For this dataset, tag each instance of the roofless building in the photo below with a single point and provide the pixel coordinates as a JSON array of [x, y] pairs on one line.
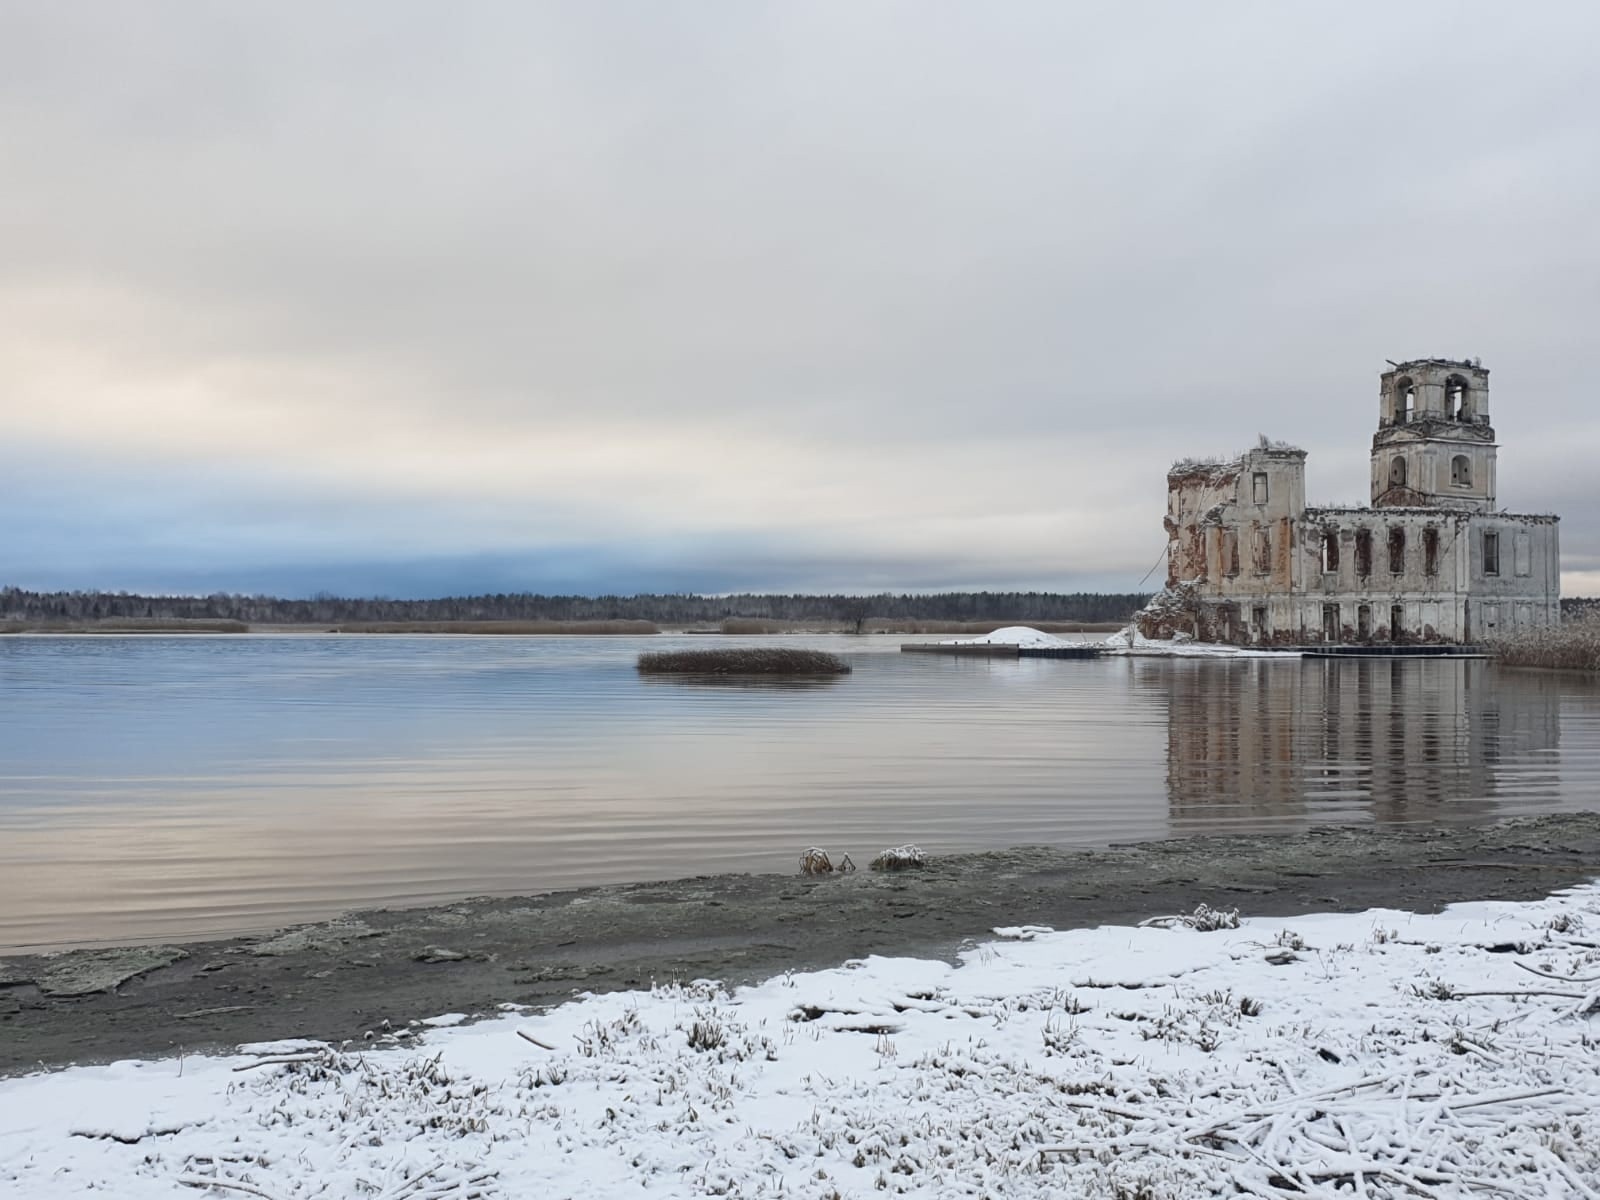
[[1430, 561]]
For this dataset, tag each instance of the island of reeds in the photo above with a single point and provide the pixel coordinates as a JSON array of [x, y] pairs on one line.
[[743, 660]]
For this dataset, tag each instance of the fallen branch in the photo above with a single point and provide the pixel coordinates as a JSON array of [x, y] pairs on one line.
[[1561, 978], [281, 1059], [202, 1181], [528, 1037]]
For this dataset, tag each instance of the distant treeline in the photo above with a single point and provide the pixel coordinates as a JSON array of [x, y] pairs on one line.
[[19, 605]]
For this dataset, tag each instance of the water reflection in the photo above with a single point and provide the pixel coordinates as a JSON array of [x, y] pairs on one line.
[[1327, 740], [165, 788], [753, 683]]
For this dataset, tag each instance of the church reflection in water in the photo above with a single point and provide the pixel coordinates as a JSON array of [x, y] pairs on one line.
[[1322, 740]]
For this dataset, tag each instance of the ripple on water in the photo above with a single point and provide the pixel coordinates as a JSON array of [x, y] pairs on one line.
[[157, 788]]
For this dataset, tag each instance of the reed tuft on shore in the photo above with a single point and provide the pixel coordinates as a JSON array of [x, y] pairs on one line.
[[743, 661]]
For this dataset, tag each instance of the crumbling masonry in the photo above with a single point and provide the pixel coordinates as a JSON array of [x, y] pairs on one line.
[[1430, 561]]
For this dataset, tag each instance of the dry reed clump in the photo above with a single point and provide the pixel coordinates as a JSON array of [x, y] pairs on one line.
[[899, 858], [815, 861], [1204, 918], [1571, 645], [743, 661]]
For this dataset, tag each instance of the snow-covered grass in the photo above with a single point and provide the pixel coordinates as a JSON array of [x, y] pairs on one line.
[[1379, 1055]]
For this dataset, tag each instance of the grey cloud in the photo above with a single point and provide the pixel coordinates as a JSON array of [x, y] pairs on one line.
[[899, 224]]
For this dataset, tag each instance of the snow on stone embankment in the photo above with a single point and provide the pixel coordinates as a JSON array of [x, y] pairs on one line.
[[1378, 1055]]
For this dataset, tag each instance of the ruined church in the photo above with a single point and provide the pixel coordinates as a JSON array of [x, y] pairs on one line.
[[1431, 560]]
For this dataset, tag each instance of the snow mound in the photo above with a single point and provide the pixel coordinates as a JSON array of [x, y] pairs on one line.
[[1012, 635]]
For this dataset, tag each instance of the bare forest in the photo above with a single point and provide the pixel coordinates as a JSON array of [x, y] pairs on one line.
[[29, 608]]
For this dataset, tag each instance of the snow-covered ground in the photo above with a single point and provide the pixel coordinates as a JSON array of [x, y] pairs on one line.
[[1377, 1055]]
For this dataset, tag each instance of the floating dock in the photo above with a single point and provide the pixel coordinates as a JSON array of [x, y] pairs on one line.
[[1391, 653], [1401, 651], [1002, 650]]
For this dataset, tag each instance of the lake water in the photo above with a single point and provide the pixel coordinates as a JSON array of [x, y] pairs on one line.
[[178, 787]]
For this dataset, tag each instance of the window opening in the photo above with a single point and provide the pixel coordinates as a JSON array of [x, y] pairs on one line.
[[1397, 622], [1397, 472], [1363, 552], [1230, 551], [1491, 552], [1430, 551], [1461, 471], [1258, 618], [1405, 401], [1364, 622], [1263, 563], [1330, 552], [1259, 486], [1397, 550], [1455, 399], [1330, 622]]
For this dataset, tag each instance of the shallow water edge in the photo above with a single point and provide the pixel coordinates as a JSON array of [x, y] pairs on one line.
[[366, 972]]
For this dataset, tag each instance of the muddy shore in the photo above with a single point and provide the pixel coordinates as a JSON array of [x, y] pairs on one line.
[[343, 978]]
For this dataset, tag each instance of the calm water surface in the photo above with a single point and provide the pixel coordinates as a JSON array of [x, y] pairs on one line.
[[181, 787]]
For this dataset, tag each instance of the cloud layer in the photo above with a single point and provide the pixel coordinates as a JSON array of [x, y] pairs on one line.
[[620, 296]]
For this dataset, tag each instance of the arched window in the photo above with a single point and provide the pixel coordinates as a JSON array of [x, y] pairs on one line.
[[1397, 471], [1461, 471], [1405, 401], [1455, 399]]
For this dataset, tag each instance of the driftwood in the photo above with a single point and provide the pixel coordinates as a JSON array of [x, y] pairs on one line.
[[528, 1037]]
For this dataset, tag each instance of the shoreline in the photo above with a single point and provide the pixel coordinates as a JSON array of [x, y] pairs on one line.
[[741, 627], [337, 980]]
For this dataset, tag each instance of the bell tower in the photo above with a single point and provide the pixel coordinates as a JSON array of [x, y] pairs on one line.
[[1434, 447]]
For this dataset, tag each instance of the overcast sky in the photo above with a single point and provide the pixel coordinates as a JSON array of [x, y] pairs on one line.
[[411, 299]]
